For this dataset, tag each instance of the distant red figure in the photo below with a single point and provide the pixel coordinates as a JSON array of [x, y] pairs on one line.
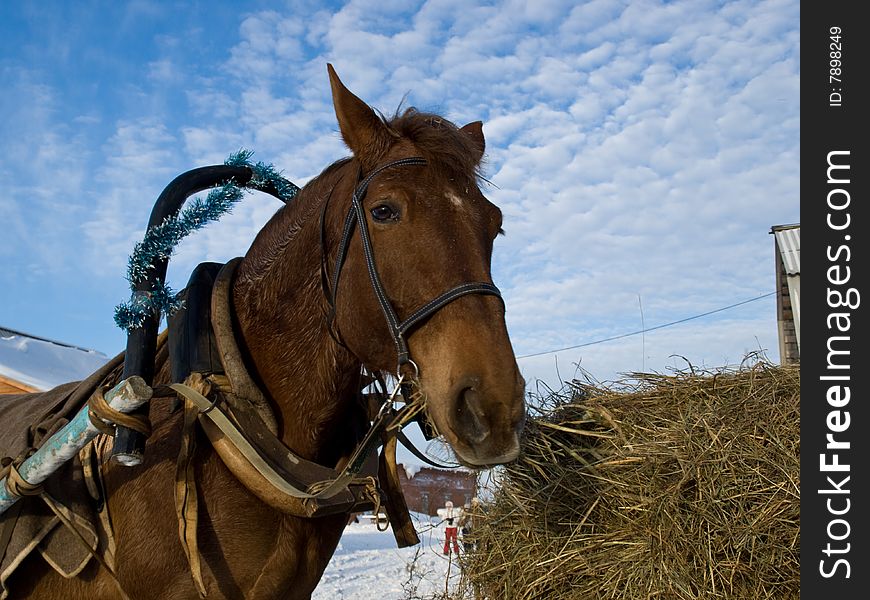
[[451, 529]]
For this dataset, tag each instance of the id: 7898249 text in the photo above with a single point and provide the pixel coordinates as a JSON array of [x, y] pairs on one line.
[[835, 67]]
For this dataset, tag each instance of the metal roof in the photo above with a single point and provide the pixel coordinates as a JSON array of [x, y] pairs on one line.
[[788, 239], [6, 332], [40, 363]]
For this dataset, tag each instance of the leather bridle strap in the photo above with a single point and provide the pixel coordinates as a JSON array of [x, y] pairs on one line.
[[433, 306], [409, 445], [398, 329]]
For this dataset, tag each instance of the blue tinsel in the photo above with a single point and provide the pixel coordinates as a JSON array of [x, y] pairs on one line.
[[160, 240]]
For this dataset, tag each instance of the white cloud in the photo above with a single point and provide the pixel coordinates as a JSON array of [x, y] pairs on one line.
[[269, 40], [45, 175], [140, 160]]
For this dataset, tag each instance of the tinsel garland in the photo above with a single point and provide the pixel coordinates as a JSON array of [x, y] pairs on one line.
[[160, 241]]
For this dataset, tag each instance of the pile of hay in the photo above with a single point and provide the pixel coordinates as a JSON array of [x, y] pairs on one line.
[[677, 487]]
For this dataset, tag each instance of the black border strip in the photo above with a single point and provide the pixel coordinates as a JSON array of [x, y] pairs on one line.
[[834, 235]]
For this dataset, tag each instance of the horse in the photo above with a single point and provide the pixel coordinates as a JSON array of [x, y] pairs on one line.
[[315, 301]]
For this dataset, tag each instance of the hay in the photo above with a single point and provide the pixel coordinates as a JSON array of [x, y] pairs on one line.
[[675, 487]]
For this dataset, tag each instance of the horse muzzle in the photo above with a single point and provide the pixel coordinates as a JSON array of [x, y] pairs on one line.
[[483, 423]]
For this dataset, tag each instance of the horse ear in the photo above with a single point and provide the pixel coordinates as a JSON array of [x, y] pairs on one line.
[[475, 131], [362, 130]]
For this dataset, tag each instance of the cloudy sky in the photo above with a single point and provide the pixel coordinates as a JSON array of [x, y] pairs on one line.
[[640, 151]]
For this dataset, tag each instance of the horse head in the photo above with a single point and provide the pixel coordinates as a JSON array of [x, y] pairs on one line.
[[430, 236]]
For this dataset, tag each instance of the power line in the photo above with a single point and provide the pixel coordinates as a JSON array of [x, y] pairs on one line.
[[625, 335]]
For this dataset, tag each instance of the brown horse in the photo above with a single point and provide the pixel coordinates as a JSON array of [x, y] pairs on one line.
[[431, 230]]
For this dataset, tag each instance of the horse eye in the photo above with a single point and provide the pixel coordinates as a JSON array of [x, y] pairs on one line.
[[384, 212]]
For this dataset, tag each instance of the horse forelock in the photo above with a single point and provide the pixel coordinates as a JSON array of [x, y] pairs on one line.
[[445, 147]]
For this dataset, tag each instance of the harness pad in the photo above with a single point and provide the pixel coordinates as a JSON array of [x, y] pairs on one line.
[[192, 344]]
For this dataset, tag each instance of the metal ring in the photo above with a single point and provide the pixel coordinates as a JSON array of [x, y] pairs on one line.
[[413, 364], [387, 404], [391, 400], [214, 403]]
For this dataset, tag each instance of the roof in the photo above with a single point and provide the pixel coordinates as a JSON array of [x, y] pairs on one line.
[[42, 364], [788, 240]]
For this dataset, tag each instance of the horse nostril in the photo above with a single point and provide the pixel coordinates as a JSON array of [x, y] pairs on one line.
[[470, 418]]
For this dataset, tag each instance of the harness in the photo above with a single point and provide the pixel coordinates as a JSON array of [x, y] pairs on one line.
[[315, 489], [220, 395], [239, 426]]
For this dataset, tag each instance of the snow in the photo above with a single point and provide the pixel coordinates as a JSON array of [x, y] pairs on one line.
[[368, 566], [42, 364], [411, 470]]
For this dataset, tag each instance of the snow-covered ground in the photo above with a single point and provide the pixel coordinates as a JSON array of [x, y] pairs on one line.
[[368, 566]]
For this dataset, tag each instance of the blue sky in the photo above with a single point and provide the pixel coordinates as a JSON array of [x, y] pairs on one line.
[[640, 151]]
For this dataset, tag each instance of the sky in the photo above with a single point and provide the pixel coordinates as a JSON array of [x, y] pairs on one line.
[[640, 152]]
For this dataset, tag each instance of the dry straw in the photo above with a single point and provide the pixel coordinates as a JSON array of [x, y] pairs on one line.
[[671, 487]]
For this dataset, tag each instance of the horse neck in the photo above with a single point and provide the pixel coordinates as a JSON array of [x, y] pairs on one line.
[[279, 304]]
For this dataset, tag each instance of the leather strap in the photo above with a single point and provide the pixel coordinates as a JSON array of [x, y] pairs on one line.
[[322, 489], [186, 500], [9, 519], [409, 445], [16, 485], [106, 419], [228, 429], [397, 509], [231, 357]]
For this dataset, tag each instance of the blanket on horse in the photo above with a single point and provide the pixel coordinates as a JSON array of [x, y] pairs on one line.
[[26, 422]]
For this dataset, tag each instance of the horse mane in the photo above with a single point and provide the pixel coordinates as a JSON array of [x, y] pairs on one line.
[[288, 221]]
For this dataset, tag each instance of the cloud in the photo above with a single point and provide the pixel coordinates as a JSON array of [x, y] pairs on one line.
[[637, 148], [268, 42], [140, 159], [44, 174]]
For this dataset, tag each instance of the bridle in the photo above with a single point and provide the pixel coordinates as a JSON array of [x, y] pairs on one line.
[[398, 329]]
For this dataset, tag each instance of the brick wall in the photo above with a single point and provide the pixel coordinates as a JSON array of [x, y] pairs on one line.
[[430, 488]]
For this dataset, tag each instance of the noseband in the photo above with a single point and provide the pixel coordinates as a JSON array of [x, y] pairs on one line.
[[398, 329]]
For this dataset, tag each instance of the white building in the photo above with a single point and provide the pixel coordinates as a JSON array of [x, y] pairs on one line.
[[787, 245]]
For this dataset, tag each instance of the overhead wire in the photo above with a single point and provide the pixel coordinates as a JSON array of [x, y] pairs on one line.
[[646, 330]]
